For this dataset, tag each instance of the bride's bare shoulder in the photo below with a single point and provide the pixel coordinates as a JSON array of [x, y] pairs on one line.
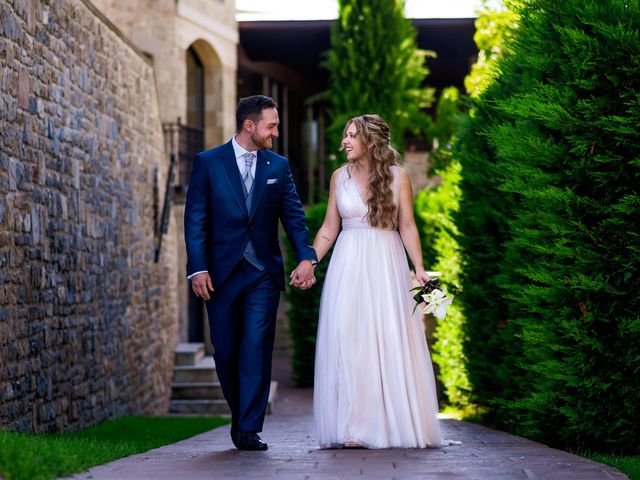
[[338, 172], [340, 169], [399, 173], [398, 169]]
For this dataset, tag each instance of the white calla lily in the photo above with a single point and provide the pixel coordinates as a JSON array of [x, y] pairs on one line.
[[436, 303], [429, 309]]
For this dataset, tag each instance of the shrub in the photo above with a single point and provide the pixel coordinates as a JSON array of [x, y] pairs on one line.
[[305, 305], [550, 214], [435, 208], [569, 151]]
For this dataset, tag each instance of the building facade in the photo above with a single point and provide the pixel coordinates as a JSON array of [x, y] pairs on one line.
[[192, 45], [284, 59]]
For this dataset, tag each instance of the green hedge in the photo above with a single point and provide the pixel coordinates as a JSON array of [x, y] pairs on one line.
[[435, 209], [491, 343], [549, 216], [305, 305]]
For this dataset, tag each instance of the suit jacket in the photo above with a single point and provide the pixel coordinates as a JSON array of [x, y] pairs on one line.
[[218, 226]]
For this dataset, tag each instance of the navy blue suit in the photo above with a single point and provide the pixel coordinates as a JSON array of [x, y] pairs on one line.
[[242, 309]]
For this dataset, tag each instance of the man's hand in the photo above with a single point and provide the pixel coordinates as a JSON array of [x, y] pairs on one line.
[[201, 284], [303, 277]]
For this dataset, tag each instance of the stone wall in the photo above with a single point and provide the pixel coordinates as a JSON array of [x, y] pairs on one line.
[[87, 317]]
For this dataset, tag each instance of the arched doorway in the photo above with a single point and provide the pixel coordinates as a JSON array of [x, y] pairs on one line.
[[195, 90], [204, 90], [193, 133], [202, 130]]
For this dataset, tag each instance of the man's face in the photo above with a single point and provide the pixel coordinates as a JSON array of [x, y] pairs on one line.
[[266, 129]]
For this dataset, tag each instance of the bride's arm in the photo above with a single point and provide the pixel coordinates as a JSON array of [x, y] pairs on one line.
[[407, 227], [330, 228]]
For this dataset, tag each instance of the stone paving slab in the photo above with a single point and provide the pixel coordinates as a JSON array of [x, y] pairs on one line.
[[485, 454]]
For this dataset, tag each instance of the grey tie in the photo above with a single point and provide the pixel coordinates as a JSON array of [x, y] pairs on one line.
[[247, 177], [247, 180]]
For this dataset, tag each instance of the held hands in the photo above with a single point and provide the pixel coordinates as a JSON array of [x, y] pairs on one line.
[[201, 284], [421, 276], [303, 276]]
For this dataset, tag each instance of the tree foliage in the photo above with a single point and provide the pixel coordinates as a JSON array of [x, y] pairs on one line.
[[435, 209], [304, 305], [376, 67], [490, 343], [493, 30], [464, 346], [549, 216]]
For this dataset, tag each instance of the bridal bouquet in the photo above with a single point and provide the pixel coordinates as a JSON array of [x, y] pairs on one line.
[[434, 297]]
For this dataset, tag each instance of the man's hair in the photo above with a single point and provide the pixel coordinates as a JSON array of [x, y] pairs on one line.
[[251, 108]]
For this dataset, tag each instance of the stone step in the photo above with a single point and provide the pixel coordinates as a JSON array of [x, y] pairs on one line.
[[203, 371], [188, 353], [199, 407], [213, 406], [196, 391]]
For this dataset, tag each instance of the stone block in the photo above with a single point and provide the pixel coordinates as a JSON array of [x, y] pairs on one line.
[[23, 88], [10, 24], [11, 109]]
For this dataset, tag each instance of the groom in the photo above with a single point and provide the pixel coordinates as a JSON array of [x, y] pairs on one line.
[[237, 193]]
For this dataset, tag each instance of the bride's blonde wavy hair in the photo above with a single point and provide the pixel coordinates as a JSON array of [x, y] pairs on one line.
[[374, 133]]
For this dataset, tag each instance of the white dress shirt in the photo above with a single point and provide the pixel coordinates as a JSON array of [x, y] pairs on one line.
[[240, 151]]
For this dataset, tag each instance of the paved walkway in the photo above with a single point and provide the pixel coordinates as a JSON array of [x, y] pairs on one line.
[[485, 454]]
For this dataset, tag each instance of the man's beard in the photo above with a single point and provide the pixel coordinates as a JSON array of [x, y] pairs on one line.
[[263, 143]]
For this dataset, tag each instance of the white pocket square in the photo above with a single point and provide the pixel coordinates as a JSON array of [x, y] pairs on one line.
[[271, 181]]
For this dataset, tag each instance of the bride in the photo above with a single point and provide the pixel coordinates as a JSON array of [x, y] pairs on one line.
[[374, 382]]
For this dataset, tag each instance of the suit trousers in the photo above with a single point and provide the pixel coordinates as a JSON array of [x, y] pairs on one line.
[[242, 321]]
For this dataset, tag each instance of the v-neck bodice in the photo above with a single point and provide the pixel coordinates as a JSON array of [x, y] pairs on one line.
[[351, 205]]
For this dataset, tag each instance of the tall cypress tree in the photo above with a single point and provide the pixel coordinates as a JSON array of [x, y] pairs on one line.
[[376, 67], [569, 150], [489, 339], [563, 154]]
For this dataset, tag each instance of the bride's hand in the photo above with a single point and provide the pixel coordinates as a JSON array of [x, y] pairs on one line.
[[422, 276]]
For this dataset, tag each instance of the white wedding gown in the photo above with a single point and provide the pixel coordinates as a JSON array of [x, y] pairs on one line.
[[374, 382]]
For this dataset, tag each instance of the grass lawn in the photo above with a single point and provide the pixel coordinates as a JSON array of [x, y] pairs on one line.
[[630, 466], [47, 456]]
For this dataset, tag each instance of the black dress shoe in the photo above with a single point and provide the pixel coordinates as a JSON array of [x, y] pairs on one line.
[[234, 437], [249, 441]]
